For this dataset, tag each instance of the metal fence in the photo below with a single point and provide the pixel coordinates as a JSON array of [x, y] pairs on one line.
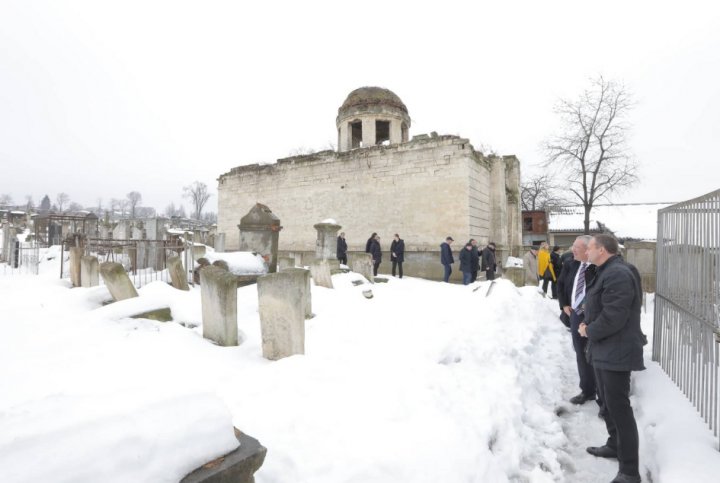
[[687, 311], [144, 260], [23, 258]]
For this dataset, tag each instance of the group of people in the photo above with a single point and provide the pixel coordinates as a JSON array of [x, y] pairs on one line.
[[542, 264], [600, 297], [372, 246], [472, 260]]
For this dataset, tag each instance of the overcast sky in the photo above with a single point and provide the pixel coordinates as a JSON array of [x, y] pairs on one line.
[[101, 98]]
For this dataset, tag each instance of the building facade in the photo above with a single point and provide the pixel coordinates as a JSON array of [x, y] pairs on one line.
[[425, 188]]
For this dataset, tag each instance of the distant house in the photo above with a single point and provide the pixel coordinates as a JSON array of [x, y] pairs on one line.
[[633, 222], [534, 227]]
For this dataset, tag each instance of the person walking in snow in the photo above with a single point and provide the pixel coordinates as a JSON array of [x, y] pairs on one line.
[[446, 258], [489, 265], [376, 253], [397, 254], [612, 326], [530, 266], [342, 248], [466, 263], [546, 272]]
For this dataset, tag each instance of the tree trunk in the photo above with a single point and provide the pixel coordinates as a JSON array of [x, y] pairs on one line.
[[587, 219]]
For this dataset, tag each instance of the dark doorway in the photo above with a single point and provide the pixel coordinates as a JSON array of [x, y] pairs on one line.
[[356, 134], [382, 132]]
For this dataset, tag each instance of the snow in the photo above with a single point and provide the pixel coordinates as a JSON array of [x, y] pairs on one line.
[[637, 221], [513, 262], [329, 221], [240, 263], [425, 382]]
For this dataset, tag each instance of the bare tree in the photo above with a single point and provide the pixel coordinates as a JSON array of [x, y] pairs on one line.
[[198, 195], [61, 199], [29, 203], [133, 198], [75, 207], [540, 193], [591, 149]]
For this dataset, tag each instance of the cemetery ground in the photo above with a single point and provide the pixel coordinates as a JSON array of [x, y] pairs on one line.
[[424, 382]]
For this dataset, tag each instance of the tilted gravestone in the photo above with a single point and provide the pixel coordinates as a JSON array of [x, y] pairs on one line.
[[218, 295], [284, 304], [117, 281], [178, 279], [89, 274], [320, 271], [362, 264], [76, 254]]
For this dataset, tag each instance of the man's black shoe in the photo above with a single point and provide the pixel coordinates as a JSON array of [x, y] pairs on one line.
[[623, 478], [581, 398], [602, 452]]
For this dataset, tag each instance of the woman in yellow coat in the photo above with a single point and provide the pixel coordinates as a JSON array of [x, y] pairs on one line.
[[545, 268]]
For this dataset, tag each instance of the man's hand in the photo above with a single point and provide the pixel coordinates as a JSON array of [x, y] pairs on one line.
[[582, 330], [567, 310]]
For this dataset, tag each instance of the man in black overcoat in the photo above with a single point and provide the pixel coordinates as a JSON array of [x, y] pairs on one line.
[[612, 326], [488, 261], [342, 249], [571, 293], [397, 254], [376, 253]]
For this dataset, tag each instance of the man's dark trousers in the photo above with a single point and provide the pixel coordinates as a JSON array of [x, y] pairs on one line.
[[614, 390], [396, 264], [585, 370], [448, 271], [489, 274]]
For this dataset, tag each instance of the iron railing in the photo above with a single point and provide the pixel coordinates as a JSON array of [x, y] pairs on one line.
[[686, 340], [22, 258]]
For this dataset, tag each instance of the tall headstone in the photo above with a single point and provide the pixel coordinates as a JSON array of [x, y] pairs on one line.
[[362, 264], [320, 270], [89, 271], [516, 275], [326, 243], [218, 294], [220, 242], [284, 303], [178, 278], [260, 233], [76, 254], [117, 281], [285, 263]]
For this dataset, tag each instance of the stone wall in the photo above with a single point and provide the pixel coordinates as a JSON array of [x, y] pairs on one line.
[[424, 190]]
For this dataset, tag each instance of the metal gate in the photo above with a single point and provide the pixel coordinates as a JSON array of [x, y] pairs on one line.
[[23, 258], [687, 302]]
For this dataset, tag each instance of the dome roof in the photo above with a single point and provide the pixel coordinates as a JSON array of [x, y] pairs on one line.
[[371, 96]]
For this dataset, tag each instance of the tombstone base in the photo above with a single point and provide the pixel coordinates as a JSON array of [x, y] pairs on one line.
[[159, 315], [238, 466]]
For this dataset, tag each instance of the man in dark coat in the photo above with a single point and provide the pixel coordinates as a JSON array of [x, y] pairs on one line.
[[376, 253], [475, 259], [575, 276], [397, 254], [465, 257], [612, 326], [446, 258], [488, 261], [342, 248], [557, 267], [369, 241]]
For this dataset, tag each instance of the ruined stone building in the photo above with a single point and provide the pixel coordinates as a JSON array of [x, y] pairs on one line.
[[380, 180]]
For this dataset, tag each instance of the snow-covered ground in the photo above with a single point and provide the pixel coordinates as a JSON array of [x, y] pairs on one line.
[[425, 382]]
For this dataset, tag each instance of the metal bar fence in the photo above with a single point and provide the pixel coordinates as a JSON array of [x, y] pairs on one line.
[[686, 340], [23, 258]]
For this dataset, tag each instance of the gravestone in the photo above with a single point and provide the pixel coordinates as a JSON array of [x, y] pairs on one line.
[[516, 275], [89, 271], [203, 262], [117, 281], [284, 303], [76, 254], [178, 279], [320, 270], [218, 296], [362, 264], [260, 233], [326, 243], [286, 262], [220, 242]]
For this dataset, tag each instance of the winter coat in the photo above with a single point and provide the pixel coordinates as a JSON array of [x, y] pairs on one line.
[[397, 251], [612, 312], [530, 265], [488, 259], [465, 257], [446, 256], [475, 258], [368, 244], [544, 265], [556, 263], [375, 251], [341, 247]]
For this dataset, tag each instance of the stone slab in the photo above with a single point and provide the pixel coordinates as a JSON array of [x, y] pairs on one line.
[[284, 304], [320, 272], [238, 466], [89, 271], [117, 281], [218, 294], [76, 254]]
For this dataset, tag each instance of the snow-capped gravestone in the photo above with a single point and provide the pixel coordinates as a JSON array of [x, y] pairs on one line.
[[76, 254], [362, 264], [260, 233], [326, 243], [177, 273], [284, 304], [321, 275], [218, 294], [89, 274], [117, 281]]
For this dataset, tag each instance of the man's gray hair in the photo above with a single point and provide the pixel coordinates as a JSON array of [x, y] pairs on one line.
[[585, 238]]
